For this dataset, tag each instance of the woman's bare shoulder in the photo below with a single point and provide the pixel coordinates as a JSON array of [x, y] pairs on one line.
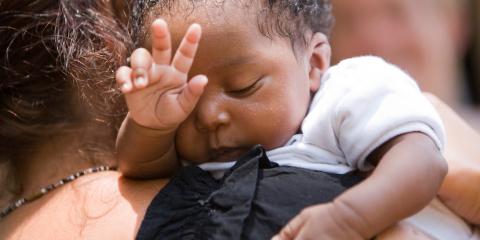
[[98, 206]]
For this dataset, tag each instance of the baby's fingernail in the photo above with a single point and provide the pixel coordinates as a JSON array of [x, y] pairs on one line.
[[126, 86], [140, 81], [140, 78]]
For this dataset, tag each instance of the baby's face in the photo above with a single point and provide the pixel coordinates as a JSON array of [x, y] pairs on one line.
[[258, 92]]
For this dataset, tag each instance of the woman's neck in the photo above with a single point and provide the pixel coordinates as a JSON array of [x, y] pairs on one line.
[[52, 161]]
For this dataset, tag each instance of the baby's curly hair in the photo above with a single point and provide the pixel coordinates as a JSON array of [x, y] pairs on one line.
[[291, 19]]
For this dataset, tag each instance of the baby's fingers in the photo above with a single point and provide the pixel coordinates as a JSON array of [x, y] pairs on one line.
[[183, 59], [161, 42], [141, 62], [123, 77], [190, 95]]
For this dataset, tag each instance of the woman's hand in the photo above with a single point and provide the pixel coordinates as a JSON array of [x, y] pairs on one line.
[[460, 190], [156, 88]]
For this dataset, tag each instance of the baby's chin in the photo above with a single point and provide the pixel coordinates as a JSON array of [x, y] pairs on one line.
[[227, 154], [218, 155]]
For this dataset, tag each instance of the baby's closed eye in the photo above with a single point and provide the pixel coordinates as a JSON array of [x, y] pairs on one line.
[[246, 87]]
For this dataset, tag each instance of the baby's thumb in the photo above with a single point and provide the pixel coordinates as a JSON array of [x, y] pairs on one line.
[[190, 95]]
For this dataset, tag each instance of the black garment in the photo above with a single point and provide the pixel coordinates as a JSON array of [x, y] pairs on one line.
[[254, 200]]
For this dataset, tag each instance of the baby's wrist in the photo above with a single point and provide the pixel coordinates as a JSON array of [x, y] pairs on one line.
[[347, 216], [150, 131]]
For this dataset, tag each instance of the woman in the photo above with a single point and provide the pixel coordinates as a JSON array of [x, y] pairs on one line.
[[59, 115]]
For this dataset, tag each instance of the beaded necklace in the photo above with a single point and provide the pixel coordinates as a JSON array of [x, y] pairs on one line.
[[22, 201]]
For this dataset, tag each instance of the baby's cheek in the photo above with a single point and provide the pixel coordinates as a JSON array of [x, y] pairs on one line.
[[187, 144], [285, 123], [279, 131]]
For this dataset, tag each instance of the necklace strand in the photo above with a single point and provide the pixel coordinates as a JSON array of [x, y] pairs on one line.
[[22, 201]]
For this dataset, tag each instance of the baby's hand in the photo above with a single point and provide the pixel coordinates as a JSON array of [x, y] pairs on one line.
[[156, 87], [317, 222]]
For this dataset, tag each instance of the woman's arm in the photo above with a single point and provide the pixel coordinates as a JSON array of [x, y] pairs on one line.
[[460, 190]]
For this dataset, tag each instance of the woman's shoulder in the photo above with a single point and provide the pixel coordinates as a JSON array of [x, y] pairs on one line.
[[98, 206]]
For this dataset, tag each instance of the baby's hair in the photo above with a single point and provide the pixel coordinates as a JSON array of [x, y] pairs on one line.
[[284, 18]]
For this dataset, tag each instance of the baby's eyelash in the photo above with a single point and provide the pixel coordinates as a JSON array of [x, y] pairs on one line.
[[247, 90]]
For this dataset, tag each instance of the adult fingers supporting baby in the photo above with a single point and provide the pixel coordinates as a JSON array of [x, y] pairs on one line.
[[141, 62], [161, 42], [183, 59], [191, 93]]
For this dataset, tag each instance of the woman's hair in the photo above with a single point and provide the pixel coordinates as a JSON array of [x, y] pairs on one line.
[[57, 64], [284, 18]]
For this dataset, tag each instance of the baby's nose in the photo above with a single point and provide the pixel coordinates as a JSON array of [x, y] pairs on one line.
[[211, 113]]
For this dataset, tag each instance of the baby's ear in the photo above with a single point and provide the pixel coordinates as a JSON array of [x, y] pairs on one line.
[[320, 53]]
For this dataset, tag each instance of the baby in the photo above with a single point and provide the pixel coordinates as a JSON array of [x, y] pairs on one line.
[[262, 75]]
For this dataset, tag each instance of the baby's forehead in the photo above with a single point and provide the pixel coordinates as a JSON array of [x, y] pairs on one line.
[[216, 20], [219, 18], [207, 12]]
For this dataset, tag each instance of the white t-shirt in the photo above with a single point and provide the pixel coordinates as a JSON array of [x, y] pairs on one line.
[[362, 103], [440, 223]]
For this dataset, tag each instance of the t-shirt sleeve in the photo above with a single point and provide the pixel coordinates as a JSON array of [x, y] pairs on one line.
[[365, 102]]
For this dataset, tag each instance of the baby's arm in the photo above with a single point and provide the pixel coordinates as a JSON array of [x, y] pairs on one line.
[[409, 172], [364, 103], [145, 153], [159, 99]]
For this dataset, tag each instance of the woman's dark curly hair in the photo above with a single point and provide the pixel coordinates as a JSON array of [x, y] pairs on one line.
[[57, 63]]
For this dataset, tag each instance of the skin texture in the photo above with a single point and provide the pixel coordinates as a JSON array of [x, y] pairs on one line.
[[98, 206]]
